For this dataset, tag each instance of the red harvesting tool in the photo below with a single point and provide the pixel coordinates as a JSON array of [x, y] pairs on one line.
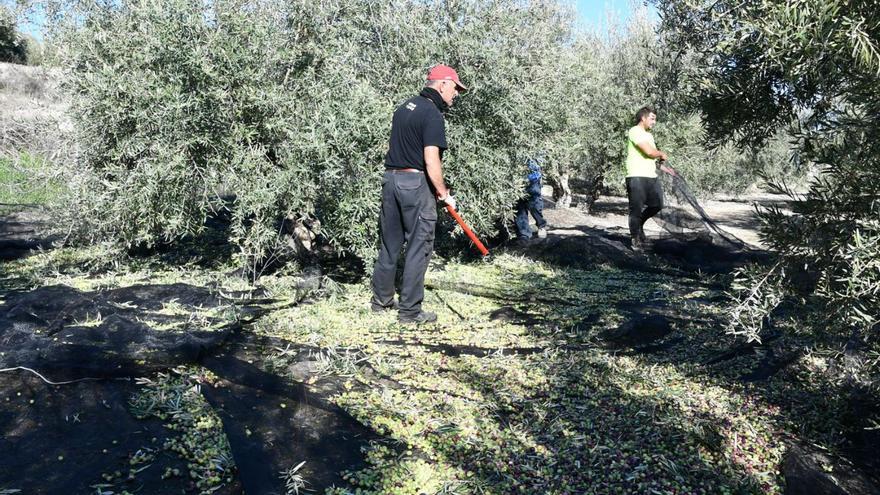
[[467, 230]]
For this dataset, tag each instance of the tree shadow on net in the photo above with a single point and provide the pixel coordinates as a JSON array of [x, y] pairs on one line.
[[273, 421], [562, 416], [695, 343]]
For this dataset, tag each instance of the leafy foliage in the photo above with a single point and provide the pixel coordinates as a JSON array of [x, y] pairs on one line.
[[764, 64], [176, 104], [13, 47], [278, 113], [600, 84], [35, 51], [287, 105], [607, 80]]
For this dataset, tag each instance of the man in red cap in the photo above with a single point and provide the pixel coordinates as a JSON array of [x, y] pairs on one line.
[[413, 179]]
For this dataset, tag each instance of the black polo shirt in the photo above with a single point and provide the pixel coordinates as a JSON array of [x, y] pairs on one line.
[[416, 123]]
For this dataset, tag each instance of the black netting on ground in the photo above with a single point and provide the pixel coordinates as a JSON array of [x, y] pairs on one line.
[[274, 422], [681, 254], [73, 334], [685, 218], [64, 438], [61, 439]]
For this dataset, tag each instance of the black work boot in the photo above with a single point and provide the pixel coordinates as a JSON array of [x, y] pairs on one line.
[[378, 308], [418, 319]]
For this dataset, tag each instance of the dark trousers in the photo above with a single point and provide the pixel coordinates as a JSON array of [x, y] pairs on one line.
[[645, 200], [408, 216], [533, 204]]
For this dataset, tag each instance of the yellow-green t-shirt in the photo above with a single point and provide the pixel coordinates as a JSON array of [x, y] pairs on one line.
[[639, 164]]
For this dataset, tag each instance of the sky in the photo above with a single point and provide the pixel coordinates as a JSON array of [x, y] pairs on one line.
[[594, 14]]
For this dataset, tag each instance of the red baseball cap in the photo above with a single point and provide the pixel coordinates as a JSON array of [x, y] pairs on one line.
[[442, 72]]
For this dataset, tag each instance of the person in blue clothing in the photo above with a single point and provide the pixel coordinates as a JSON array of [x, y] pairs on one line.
[[532, 203]]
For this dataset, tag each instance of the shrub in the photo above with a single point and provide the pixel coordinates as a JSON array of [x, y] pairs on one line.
[[12, 46], [35, 51]]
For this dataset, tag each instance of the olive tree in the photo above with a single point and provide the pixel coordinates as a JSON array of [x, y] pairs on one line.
[[279, 112], [600, 82], [13, 48], [374, 56], [761, 65]]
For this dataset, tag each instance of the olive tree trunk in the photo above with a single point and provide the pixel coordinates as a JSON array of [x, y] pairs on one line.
[[561, 190]]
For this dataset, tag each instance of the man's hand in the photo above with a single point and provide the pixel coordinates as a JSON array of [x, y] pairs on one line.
[[448, 200], [669, 170]]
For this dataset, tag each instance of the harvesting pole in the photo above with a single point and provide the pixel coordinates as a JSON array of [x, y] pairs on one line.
[[467, 230]]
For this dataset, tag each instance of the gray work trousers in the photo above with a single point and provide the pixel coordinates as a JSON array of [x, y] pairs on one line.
[[408, 216]]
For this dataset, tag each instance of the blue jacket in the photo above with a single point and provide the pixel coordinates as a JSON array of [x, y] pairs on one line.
[[534, 177], [534, 171]]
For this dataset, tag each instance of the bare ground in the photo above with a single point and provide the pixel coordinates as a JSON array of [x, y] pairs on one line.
[[735, 215]]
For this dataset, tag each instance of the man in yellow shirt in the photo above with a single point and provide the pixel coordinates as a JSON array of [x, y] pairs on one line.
[[642, 187]]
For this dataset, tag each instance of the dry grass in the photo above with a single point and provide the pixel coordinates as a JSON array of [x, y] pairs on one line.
[[33, 130]]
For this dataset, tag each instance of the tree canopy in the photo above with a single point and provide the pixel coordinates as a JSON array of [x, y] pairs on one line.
[[13, 48], [756, 66], [278, 113]]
